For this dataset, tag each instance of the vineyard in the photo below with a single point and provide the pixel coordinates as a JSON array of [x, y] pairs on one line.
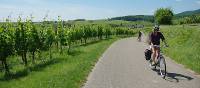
[[99, 43], [26, 38]]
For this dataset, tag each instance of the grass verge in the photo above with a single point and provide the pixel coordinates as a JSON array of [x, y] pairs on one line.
[[62, 71], [184, 45]]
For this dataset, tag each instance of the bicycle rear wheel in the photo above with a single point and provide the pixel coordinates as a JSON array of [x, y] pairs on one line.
[[162, 67]]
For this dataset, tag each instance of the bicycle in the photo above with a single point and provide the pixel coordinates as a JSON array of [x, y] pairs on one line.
[[139, 39], [139, 36], [161, 64]]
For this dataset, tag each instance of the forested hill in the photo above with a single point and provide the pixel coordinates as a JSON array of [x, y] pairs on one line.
[[135, 18], [151, 17], [188, 13]]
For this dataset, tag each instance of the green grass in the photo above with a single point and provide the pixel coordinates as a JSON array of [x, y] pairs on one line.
[[184, 44], [62, 71]]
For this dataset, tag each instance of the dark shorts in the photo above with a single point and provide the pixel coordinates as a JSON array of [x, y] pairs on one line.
[[156, 46]]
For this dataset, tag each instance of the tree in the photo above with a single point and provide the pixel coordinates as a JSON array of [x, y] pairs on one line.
[[50, 38], [21, 40], [164, 16], [69, 35], [61, 35], [46, 36], [33, 38], [100, 32], [107, 31], [6, 43]]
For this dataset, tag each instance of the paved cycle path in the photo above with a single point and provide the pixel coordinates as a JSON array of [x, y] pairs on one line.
[[123, 66]]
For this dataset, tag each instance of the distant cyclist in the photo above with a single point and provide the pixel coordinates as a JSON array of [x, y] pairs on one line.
[[155, 37], [139, 36]]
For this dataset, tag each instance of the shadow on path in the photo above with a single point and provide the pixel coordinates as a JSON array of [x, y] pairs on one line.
[[174, 77], [177, 77]]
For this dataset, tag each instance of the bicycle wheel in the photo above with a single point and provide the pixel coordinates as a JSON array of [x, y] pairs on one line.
[[162, 66]]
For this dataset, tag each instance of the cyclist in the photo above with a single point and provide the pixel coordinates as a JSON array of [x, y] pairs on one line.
[[139, 36], [155, 37]]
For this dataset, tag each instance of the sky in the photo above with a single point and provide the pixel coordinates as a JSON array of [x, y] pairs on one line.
[[88, 9]]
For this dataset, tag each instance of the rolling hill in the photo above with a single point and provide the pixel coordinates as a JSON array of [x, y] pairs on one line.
[[151, 17], [188, 13]]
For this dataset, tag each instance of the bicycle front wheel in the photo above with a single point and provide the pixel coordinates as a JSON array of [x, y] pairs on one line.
[[162, 67]]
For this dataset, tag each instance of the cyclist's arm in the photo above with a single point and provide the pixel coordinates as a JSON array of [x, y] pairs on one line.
[[163, 39]]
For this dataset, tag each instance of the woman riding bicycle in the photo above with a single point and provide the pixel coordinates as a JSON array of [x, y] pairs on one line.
[[139, 36], [155, 37]]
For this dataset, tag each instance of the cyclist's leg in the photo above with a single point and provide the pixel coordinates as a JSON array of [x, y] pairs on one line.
[[157, 50], [153, 54], [139, 38], [156, 53]]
